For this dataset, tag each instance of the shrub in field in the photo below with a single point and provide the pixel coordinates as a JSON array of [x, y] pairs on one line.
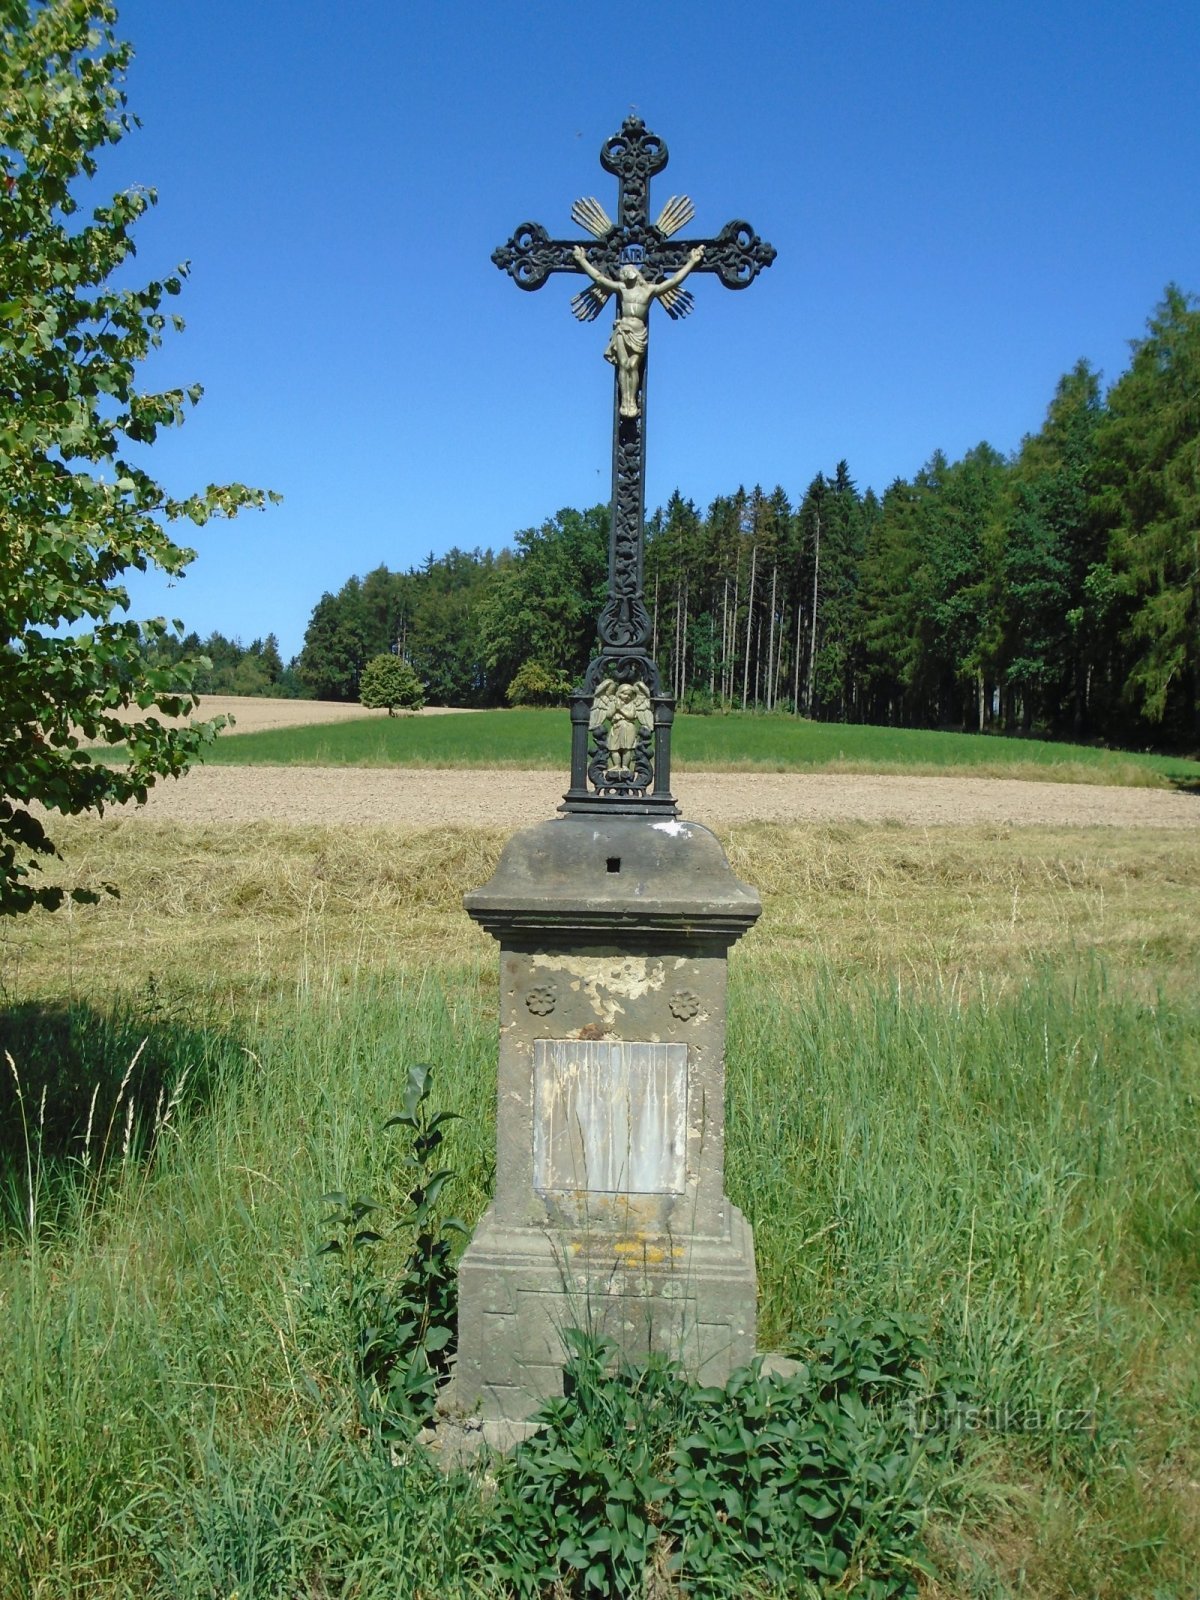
[[388, 681], [534, 684]]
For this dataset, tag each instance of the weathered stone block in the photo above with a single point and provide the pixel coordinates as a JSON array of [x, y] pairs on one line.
[[610, 1211]]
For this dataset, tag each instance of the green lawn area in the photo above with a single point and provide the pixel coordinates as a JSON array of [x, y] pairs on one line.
[[531, 739]]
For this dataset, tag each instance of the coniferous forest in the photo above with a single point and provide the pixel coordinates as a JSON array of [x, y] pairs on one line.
[[1056, 590]]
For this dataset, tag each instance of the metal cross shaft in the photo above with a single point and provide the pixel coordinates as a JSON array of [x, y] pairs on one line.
[[621, 702]]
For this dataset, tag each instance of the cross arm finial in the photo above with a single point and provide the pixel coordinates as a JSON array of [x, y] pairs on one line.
[[531, 255]]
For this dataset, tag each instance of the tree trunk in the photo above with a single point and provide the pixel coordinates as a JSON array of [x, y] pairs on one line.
[[724, 631], [737, 576], [778, 658], [812, 643], [771, 640], [683, 644], [796, 663], [749, 622]]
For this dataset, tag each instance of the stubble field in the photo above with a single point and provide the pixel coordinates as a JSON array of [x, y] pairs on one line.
[[258, 713], [421, 797]]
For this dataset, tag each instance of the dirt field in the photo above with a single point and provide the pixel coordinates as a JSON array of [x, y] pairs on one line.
[[425, 797], [254, 715]]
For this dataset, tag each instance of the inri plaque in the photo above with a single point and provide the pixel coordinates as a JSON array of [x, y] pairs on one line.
[[610, 1117]]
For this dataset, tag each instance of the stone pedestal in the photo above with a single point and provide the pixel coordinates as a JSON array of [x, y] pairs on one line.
[[610, 1212]]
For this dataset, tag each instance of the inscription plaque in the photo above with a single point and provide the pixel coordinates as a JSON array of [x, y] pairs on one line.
[[610, 1116]]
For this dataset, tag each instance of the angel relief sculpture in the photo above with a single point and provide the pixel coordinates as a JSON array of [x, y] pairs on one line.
[[621, 719]]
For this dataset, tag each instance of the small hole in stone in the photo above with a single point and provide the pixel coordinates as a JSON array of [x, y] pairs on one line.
[[614, 863]]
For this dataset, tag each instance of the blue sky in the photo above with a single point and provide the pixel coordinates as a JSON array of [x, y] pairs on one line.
[[966, 199]]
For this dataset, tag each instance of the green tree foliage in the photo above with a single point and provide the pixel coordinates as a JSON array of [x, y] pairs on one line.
[[1149, 501], [445, 637], [538, 685], [430, 615], [893, 667], [832, 523], [544, 597], [1052, 627], [77, 507], [957, 615], [336, 646], [227, 666], [389, 681]]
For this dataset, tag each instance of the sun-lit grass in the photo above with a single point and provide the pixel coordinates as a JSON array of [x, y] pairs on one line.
[[235, 912], [531, 739], [964, 1081]]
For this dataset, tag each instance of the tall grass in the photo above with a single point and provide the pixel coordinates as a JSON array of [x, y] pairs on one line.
[[1018, 1172], [964, 1087], [166, 1377], [537, 739]]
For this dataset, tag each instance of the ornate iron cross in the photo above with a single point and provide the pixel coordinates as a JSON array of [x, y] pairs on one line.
[[620, 717]]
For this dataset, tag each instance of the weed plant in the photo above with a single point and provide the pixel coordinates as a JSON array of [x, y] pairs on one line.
[[774, 1484], [403, 1329]]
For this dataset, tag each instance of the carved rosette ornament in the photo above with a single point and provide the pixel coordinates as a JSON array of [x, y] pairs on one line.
[[542, 999], [637, 262], [684, 1004]]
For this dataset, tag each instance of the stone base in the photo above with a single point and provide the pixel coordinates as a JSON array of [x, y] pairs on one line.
[[520, 1288]]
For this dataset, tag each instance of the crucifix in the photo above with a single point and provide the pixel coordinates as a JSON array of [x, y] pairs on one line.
[[620, 717]]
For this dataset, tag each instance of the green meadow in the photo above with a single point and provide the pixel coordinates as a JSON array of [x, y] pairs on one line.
[[964, 1112], [531, 739]]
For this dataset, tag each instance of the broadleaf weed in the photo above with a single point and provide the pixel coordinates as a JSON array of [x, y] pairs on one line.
[[404, 1329]]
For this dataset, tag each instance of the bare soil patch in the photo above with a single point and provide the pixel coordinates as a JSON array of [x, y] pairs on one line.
[[428, 796]]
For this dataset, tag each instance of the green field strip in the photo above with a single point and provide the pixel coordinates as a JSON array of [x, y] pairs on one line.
[[530, 739]]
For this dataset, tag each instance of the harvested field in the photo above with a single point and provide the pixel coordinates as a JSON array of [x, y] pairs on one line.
[[255, 714], [423, 797]]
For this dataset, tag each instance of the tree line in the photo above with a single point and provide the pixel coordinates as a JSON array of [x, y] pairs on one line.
[[227, 666], [1056, 589]]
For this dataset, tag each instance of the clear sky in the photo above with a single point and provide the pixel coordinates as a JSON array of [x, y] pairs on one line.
[[966, 199]]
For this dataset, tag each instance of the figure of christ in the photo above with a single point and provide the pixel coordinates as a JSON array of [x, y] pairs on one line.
[[627, 346]]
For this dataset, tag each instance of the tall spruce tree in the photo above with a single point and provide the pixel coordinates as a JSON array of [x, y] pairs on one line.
[[1050, 542], [889, 607], [1149, 500]]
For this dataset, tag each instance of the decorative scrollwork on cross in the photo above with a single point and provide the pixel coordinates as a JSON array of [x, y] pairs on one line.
[[639, 262]]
